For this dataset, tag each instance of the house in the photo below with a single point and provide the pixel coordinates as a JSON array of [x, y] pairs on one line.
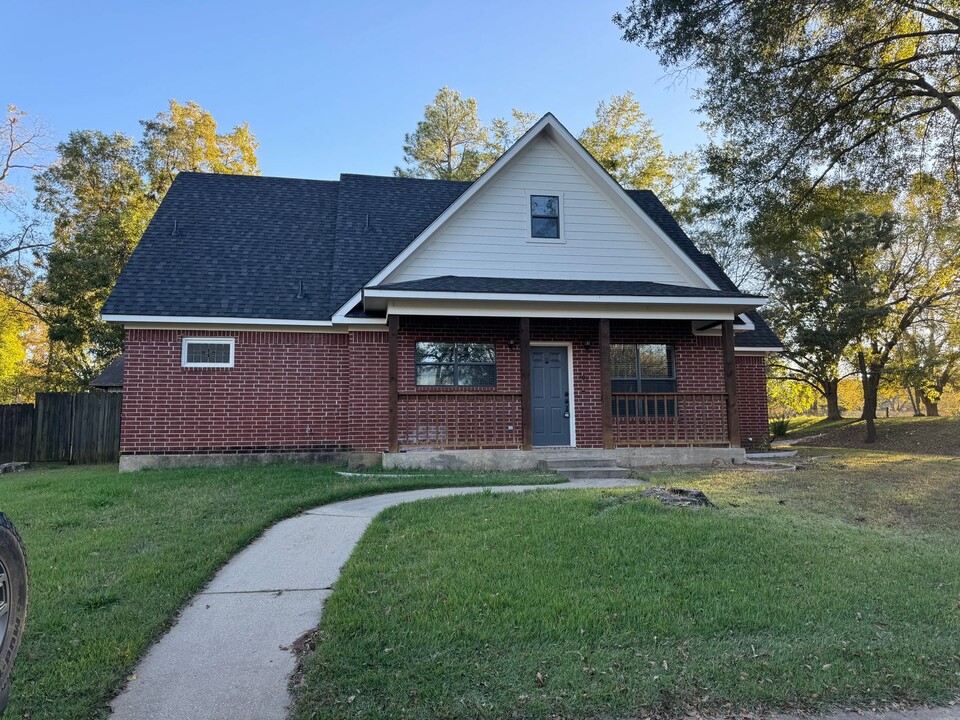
[[540, 306], [111, 378]]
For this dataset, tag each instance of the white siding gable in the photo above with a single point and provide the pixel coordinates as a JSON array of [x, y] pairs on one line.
[[490, 235]]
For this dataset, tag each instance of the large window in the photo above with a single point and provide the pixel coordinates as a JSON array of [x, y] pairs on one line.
[[545, 216], [455, 364], [643, 369], [207, 352]]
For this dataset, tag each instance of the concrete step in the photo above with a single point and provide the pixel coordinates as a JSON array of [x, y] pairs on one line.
[[576, 462], [595, 473]]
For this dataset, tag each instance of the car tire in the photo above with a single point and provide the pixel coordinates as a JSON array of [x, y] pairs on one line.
[[13, 601]]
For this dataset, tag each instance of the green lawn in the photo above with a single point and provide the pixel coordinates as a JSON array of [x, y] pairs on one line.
[[805, 425], [113, 557], [837, 585]]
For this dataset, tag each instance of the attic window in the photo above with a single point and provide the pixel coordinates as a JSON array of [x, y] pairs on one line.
[[207, 352], [545, 216]]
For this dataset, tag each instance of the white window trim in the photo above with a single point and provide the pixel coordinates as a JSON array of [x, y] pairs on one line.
[[208, 340], [560, 219]]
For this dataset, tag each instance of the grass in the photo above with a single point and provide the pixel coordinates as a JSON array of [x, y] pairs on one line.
[[807, 425], [837, 585], [915, 435], [113, 557]]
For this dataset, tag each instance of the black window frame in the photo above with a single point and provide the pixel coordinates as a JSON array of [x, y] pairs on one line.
[[455, 365], [534, 216], [653, 385]]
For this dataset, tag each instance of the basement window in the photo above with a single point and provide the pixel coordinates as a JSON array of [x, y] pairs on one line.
[[440, 364], [207, 352]]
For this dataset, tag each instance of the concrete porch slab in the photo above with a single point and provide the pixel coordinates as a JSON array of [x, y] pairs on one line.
[[509, 460]]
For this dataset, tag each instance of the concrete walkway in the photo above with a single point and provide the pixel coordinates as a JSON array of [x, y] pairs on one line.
[[229, 655], [947, 712]]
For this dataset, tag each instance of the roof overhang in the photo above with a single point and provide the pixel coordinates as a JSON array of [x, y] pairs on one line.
[[409, 302], [747, 350]]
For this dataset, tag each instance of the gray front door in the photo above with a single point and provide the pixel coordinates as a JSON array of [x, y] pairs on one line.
[[551, 396]]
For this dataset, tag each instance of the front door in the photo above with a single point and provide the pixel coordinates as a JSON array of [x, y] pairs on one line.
[[551, 396]]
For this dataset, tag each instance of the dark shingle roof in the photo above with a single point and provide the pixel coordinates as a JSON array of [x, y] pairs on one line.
[[762, 337], [245, 244], [377, 217], [111, 377], [465, 284]]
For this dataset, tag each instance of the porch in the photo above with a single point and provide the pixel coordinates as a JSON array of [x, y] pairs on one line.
[[699, 408]]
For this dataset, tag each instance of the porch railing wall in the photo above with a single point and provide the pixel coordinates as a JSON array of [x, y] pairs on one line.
[[669, 419], [468, 420], [459, 420]]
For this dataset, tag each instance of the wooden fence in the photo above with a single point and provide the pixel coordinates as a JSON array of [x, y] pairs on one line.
[[76, 428]]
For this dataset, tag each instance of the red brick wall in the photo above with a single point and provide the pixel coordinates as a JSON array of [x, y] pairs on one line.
[[752, 392], [368, 373], [323, 391], [286, 391], [488, 417]]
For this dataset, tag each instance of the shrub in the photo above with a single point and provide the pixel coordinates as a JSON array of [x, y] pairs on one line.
[[779, 427]]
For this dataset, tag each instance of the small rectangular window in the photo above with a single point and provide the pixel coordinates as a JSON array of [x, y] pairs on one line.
[[545, 216], [207, 352], [455, 364]]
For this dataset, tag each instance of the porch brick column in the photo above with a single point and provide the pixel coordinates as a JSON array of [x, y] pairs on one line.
[[606, 391], [393, 327], [730, 380], [526, 390]]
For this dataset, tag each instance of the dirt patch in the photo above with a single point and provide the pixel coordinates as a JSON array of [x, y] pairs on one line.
[[303, 647], [923, 436]]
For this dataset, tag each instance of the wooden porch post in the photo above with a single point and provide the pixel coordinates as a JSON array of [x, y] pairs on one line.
[[730, 380], [393, 326], [606, 391], [526, 390]]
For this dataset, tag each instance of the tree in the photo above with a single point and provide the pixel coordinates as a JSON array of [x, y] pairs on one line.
[[624, 142], [21, 148], [99, 205], [22, 352], [790, 397], [927, 361], [23, 152], [918, 275], [503, 133], [449, 142], [825, 293], [806, 86], [185, 138], [100, 194]]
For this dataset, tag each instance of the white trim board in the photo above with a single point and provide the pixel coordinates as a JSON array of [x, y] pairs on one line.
[[545, 298], [562, 138], [180, 321], [757, 350], [455, 308]]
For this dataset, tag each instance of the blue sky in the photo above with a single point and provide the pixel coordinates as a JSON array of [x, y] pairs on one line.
[[329, 87]]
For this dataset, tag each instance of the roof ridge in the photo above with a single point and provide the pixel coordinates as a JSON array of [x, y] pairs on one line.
[[245, 176]]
